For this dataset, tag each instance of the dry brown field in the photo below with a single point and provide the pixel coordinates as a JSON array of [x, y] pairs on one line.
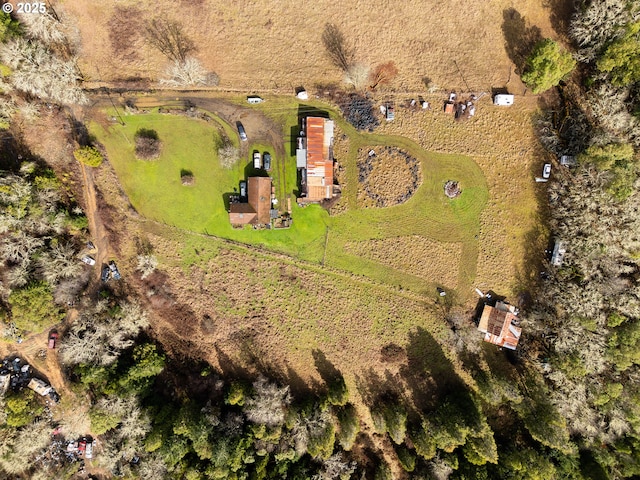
[[267, 44], [415, 255]]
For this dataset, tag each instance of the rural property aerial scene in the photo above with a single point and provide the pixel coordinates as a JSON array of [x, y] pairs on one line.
[[320, 240]]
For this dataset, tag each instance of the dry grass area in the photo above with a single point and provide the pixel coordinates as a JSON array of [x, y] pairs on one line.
[[502, 142], [415, 255], [266, 44], [241, 307], [387, 176]]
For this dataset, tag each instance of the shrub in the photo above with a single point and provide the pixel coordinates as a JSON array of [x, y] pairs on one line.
[[148, 144], [32, 307], [90, 156], [547, 65]]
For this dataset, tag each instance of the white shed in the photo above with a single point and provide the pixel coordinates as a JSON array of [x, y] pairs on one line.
[[503, 100]]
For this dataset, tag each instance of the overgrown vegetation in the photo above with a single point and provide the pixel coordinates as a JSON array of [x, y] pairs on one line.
[[547, 65], [88, 155]]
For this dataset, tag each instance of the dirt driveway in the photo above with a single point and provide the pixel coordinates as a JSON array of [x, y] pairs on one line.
[[258, 126]]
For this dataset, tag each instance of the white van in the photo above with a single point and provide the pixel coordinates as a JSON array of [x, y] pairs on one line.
[[253, 99]]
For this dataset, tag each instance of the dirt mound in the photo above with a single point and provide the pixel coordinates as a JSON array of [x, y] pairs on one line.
[[387, 176]]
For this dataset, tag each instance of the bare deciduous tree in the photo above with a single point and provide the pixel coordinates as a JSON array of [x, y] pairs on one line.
[[357, 75], [44, 27], [189, 72], [336, 468], [98, 340], [60, 262], [147, 264], [268, 403], [339, 51], [595, 23], [39, 72], [383, 74]]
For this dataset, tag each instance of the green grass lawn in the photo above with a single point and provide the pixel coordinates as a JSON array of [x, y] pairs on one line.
[[155, 190]]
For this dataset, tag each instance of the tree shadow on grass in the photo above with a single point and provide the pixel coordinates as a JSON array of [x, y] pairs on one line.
[[429, 375], [519, 37]]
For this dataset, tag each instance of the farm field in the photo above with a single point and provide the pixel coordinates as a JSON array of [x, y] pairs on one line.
[[155, 191], [245, 46]]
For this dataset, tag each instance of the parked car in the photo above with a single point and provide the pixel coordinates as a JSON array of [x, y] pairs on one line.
[[546, 170], [267, 161], [89, 260], [114, 270], [82, 446], [241, 131], [253, 99], [243, 189], [257, 160], [88, 454], [53, 338], [106, 273]]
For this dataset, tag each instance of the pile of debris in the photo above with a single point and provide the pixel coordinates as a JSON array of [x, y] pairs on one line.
[[17, 374], [452, 189], [462, 109]]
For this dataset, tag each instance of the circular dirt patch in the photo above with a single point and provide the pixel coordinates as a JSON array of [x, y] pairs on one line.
[[387, 176], [452, 189]]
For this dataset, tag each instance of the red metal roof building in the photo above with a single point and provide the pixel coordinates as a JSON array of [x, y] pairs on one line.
[[319, 165], [497, 325], [258, 210]]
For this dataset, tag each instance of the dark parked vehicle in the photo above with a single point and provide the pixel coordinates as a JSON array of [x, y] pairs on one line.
[[105, 273], [241, 131], [267, 161]]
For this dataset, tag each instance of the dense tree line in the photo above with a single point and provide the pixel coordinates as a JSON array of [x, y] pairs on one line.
[[587, 311]]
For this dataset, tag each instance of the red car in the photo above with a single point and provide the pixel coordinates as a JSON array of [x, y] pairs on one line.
[[53, 338], [82, 446]]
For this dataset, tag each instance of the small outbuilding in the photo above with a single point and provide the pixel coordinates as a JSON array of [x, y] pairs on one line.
[[497, 324], [503, 99], [568, 160]]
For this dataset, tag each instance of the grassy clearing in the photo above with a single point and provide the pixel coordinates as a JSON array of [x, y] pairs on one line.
[[315, 236], [155, 190]]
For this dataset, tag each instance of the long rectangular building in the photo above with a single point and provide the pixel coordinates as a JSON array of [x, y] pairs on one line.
[[317, 151]]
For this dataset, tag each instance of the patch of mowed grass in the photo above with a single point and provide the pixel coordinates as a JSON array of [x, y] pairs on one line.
[[155, 189]]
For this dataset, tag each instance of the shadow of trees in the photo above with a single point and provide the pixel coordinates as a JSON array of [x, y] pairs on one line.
[[560, 12], [519, 37]]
